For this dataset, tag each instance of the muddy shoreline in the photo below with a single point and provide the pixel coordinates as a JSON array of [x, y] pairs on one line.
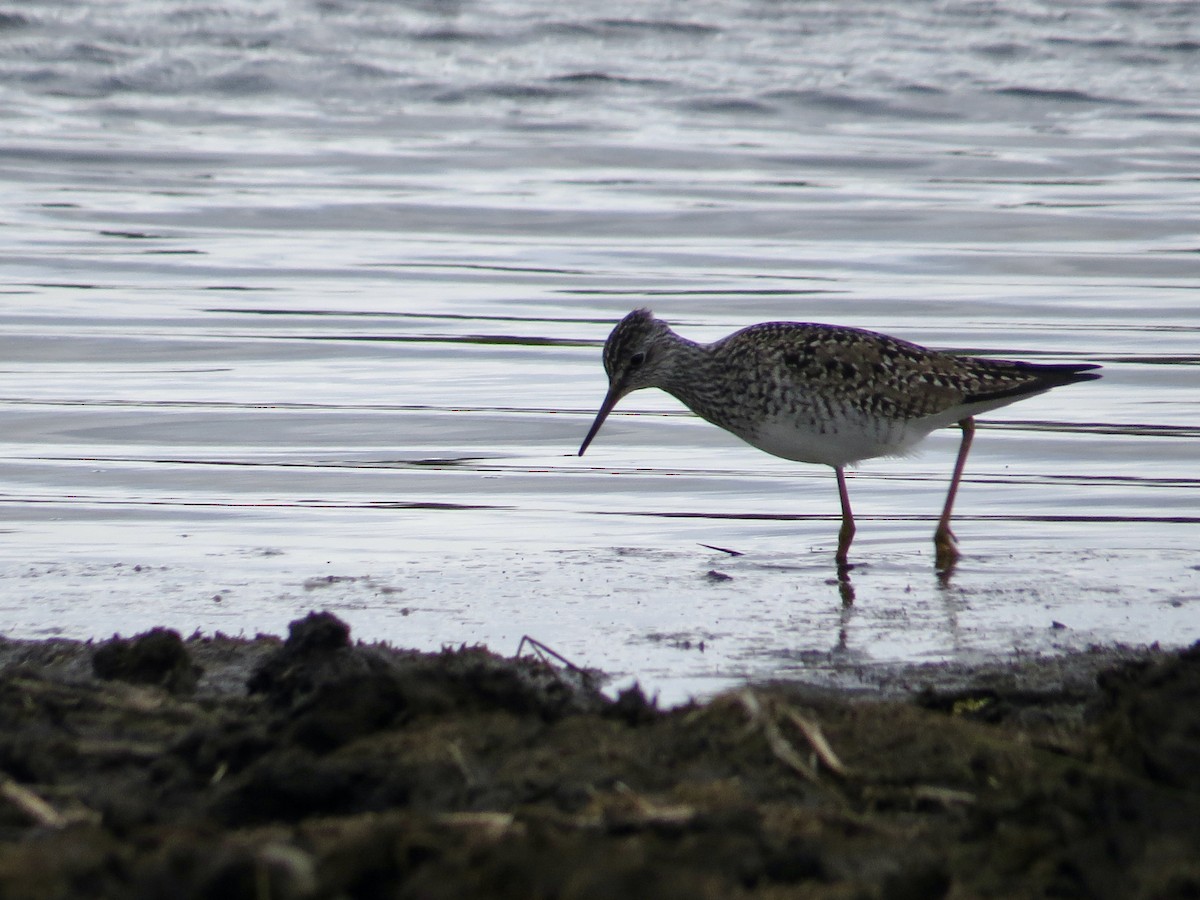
[[319, 767]]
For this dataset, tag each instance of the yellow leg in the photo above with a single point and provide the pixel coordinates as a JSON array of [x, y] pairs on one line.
[[846, 534], [944, 542]]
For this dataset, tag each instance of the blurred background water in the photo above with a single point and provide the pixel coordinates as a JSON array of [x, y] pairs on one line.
[[301, 306]]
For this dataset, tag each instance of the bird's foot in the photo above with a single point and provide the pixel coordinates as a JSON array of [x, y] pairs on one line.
[[945, 546]]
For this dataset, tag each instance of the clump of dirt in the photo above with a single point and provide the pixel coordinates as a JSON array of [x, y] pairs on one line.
[[1151, 718], [319, 767], [156, 657]]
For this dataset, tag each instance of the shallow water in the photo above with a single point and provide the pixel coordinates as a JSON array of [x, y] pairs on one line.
[[302, 308]]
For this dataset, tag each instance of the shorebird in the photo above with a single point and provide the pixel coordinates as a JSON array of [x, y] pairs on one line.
[[824, 394]]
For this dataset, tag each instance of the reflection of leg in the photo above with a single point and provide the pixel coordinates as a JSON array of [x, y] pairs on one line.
[[944, 543], [846, 535], [845, 586], [846, 616]]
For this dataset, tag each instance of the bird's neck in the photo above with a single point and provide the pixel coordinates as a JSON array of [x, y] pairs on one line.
[[695, 379]]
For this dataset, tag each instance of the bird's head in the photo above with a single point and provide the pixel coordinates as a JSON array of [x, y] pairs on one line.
[[635, 357]]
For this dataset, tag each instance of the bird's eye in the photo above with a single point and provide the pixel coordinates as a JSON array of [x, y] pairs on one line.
[[637, 359]]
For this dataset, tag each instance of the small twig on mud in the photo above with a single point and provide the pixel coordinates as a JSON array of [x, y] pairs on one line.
[[917, 796], [460, 762], [579, 679], [942, 795], [763, 716], [723, 550], [38, 809], [543, 651], [625, 808], [119, 750], [493, 825], [779, 745], [816, 739], [31, 804]]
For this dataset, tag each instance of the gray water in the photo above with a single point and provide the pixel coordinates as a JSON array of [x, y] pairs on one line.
[[301, 306]]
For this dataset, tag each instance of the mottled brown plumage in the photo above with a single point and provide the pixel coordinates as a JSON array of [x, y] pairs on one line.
[[822, 393]]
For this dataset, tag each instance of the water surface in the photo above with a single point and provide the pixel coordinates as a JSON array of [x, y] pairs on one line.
[[301, 307]]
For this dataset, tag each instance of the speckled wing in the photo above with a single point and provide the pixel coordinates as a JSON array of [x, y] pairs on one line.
[[886, 377]]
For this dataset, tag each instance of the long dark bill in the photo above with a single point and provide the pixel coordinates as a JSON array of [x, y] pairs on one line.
[[610, 400]]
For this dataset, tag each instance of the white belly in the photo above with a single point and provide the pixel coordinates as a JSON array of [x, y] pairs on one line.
[[843, 440]]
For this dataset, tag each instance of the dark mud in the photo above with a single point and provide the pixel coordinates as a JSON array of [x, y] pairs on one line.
[[162, 768]]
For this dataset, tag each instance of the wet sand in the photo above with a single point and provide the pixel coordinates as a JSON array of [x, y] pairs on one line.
[[321, 767]]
